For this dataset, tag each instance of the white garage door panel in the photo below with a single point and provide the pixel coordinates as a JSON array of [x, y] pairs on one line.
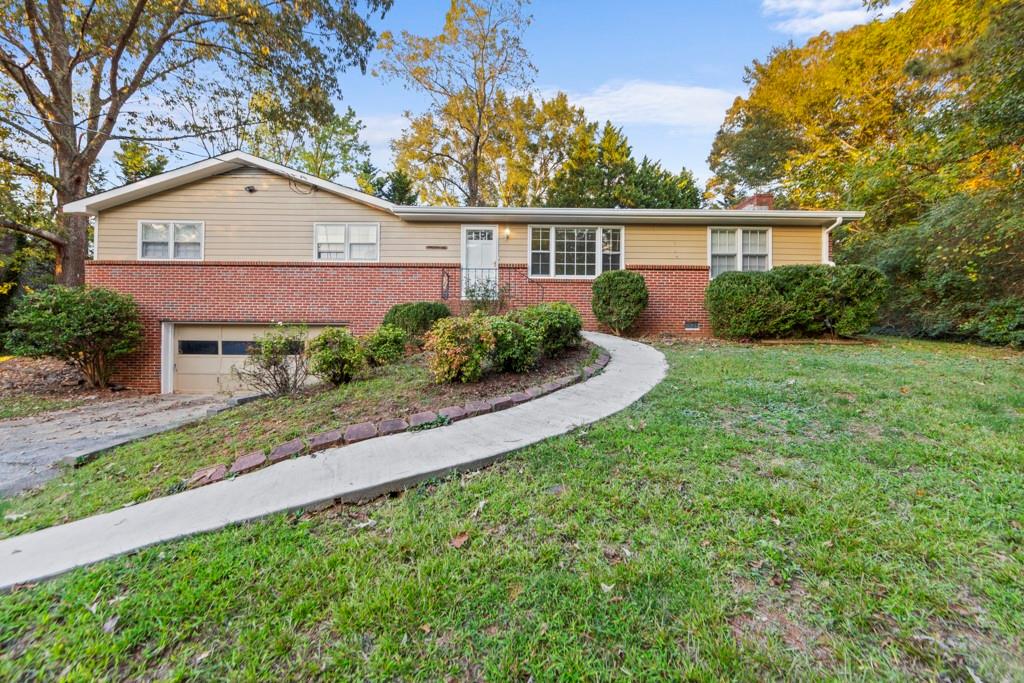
[[201, 365]]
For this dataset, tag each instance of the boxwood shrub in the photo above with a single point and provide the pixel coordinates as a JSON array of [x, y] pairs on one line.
[[557, 324], [416, 317], [516, 347], [795, 301], [618, 299], [336, 356], [385, 345]]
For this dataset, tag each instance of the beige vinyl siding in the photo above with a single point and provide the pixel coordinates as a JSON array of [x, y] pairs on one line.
[[793, 246], [273, 224], [666, 245]]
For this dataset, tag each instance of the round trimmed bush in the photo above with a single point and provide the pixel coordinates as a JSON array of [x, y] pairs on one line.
[[416, 317], [619, 297], [89, 327], [336, 356], [743, 305], [516, 347], [460, 348], [558, 324], [385, 345]]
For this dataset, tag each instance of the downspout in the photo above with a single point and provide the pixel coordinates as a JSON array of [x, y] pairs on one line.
[[825, 241]]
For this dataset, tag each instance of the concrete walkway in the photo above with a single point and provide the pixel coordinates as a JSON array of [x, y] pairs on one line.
[[31, 448], [355, 472]]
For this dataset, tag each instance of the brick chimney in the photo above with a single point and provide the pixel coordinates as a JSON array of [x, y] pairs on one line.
[[757, 202]]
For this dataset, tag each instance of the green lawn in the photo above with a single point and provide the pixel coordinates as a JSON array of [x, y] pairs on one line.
[[765, 513]]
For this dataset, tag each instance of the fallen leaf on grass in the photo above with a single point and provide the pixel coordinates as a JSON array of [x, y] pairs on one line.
[[425, 628], [479, 508], [459, 540], [607, 588], [110, 624], [201, 656]]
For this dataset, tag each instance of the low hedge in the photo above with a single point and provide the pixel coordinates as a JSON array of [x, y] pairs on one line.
[[416, 317], [557, 324], [619, 297], [999, 322], [795, 301]]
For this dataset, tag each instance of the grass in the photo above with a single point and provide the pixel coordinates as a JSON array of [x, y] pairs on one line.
[[14, 406], [161, 464], [765, 513]]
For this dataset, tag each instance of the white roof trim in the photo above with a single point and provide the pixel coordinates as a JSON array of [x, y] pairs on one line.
[[205, 169], [623, 216]]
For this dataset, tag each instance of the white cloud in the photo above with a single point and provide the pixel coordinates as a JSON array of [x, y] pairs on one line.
[[651, 103], [806, 17], [381, 130]]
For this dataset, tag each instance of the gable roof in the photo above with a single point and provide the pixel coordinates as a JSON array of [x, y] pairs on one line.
[[205, 169], [455, 214]]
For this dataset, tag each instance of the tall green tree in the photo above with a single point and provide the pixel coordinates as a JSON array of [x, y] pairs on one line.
[[137, 161], [600, 172], [326, 150], [395, 186], [464, 71], [74, 69]]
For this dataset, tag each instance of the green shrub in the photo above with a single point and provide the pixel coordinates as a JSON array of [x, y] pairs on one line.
[[558, 325], [460, 348], [857, 295], [416, 318], [276, 363], [743, 305], [385, 345], [619, 297], [89, 328], [336, 356], [999, 322], [795, 301], [516, 347]]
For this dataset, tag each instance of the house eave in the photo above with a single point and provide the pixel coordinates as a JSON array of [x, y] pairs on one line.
[[700, 217]]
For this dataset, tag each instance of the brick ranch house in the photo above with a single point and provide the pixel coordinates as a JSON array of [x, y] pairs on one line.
[[215, 251]]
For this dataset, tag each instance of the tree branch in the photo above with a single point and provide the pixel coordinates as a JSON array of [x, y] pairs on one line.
[[53, 238]]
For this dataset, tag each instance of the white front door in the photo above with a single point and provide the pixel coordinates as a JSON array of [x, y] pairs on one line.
[[480, 262]]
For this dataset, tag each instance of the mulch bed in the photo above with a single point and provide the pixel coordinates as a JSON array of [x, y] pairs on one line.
[[437, 396], [51, 378]]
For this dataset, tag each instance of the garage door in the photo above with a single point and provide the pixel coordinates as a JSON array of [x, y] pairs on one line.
[[205, 354]]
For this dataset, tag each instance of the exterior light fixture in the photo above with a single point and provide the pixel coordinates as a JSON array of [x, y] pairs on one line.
[[508, 232], [251, 189]]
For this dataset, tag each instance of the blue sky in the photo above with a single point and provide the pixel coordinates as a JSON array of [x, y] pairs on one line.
[[664, 70]]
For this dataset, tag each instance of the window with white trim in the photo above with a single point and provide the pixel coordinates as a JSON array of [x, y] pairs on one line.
[[574, 251], [739, 249], [346, 241], [171, 240]]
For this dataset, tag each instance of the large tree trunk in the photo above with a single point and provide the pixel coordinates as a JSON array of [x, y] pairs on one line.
[[70, 266]]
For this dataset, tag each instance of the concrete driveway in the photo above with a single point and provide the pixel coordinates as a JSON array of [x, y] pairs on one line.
[[32, 448]]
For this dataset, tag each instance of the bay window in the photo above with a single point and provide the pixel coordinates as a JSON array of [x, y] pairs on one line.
[[744, 249], [171, 240], [574, 251]]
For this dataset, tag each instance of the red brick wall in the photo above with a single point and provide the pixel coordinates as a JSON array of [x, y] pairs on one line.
[[357, 295]]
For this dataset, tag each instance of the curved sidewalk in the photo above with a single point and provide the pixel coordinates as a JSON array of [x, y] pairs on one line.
[[354, 472]]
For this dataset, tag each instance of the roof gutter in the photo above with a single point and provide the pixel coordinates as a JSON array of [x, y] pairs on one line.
[[825, 240]]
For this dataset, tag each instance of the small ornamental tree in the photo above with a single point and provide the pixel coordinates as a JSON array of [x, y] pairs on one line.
[[276, 364], [89, 328], [619, 297]]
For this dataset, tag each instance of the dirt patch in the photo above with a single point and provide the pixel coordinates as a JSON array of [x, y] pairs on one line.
[[49, 378], [778, 610]]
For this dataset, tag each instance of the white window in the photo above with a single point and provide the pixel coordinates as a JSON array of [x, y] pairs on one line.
[[739, 249], [346, 241], [574, 251], [171, 240]]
